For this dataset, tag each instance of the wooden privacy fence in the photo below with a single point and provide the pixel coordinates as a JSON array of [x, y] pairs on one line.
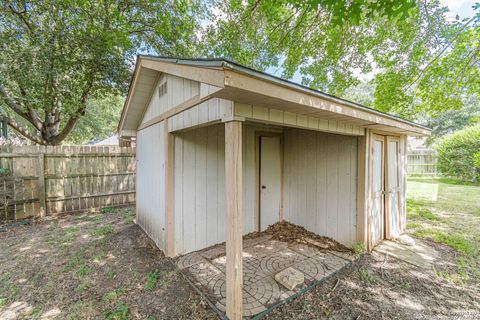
[[39, 180], [422, 162]]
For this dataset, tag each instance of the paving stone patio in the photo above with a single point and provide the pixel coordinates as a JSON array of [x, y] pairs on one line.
[[263, 257]]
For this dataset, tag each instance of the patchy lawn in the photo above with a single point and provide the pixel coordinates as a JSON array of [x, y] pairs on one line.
[[444, 214], [102, 266], [91, 266], [447, 212]]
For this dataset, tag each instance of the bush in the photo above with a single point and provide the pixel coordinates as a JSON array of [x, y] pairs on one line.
[[457, 154], [476, 160]]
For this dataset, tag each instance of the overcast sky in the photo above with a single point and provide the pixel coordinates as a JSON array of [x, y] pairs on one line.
[[461, 7]]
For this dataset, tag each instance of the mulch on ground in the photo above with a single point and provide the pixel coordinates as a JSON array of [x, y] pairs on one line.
[[287, 232]]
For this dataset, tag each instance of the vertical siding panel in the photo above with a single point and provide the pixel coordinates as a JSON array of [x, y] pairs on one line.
[[150, 172], [311, 185], [200, 188], [343, 230], [189, 217], [286, 175], [212, 185], [178, 185], [321, 183], [221, 183], [353, 190], [332, 186], [302, 186], [249, 187]]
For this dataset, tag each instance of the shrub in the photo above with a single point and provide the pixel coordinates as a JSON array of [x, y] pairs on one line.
[[476, 159], [457, 154]]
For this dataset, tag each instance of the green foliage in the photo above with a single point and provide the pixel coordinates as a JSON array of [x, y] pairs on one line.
[[423, 63], [476, 159], [359, 249], [100, 120], [456, 154], [107, 210], [152, 279], [417, 209], [367, 276], [103, 231], [56, 56], [120, 312]]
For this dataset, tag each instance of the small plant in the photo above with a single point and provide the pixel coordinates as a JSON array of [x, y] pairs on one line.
[[107, 210], [120, 313], [4, 171], [405, 285], [113, 295], [103, 231], [110, 275], [83, 270], [128, 217], [152, 279], [3, 303], [35, 313], [358, 249], [82, 287], [366, 276], [73, 262]]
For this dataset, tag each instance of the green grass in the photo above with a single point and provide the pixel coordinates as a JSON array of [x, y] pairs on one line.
[[367, 276], [448, 212], [152, 279], [3, 303], [107, 210], [119, 313], [103, 231]]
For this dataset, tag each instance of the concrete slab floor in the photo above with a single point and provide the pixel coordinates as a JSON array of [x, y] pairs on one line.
[[263, 257], [417, 254]]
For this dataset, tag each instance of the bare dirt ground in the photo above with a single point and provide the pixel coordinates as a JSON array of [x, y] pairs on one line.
[[102, 266], [90, 266], [379, 287]]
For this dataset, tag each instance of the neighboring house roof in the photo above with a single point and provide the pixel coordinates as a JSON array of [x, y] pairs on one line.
[[246, 85], [110, 141]]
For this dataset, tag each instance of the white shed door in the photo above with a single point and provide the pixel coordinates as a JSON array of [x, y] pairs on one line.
[[270, 180], [393, 188], [377, 213]]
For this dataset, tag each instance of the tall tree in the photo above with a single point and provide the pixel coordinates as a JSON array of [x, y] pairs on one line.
[[57, 55], [422, 62]]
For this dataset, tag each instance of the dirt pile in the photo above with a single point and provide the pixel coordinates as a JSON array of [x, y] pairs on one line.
[[285, 231]]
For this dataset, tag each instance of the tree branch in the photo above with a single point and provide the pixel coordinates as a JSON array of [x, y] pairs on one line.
[[24, 132], [18, 109], [21, 14]]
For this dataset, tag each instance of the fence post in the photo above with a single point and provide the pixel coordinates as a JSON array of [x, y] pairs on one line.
[[41, 184]]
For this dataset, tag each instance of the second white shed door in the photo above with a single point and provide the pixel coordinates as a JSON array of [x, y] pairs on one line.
[[270, 180]]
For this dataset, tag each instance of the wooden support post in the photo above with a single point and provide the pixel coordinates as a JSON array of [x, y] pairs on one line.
[[363, 188], [169, 190], [233, 192], [41, 185]]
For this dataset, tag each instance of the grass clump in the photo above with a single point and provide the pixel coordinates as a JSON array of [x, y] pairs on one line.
[[3, 303], [152, 279], [367, 276], [358, 249], [103, 231], [119, 313], [107, 210]]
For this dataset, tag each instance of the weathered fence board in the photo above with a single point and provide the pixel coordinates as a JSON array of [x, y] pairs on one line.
[[38, 180], [422, 162]]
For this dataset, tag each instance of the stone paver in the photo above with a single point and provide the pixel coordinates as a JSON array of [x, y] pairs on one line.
[[262, 259]]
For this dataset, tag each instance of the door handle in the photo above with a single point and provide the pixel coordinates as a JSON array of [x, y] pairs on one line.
[[264, 187]]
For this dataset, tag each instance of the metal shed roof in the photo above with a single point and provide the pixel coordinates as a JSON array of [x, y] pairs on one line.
[[221, 64]]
